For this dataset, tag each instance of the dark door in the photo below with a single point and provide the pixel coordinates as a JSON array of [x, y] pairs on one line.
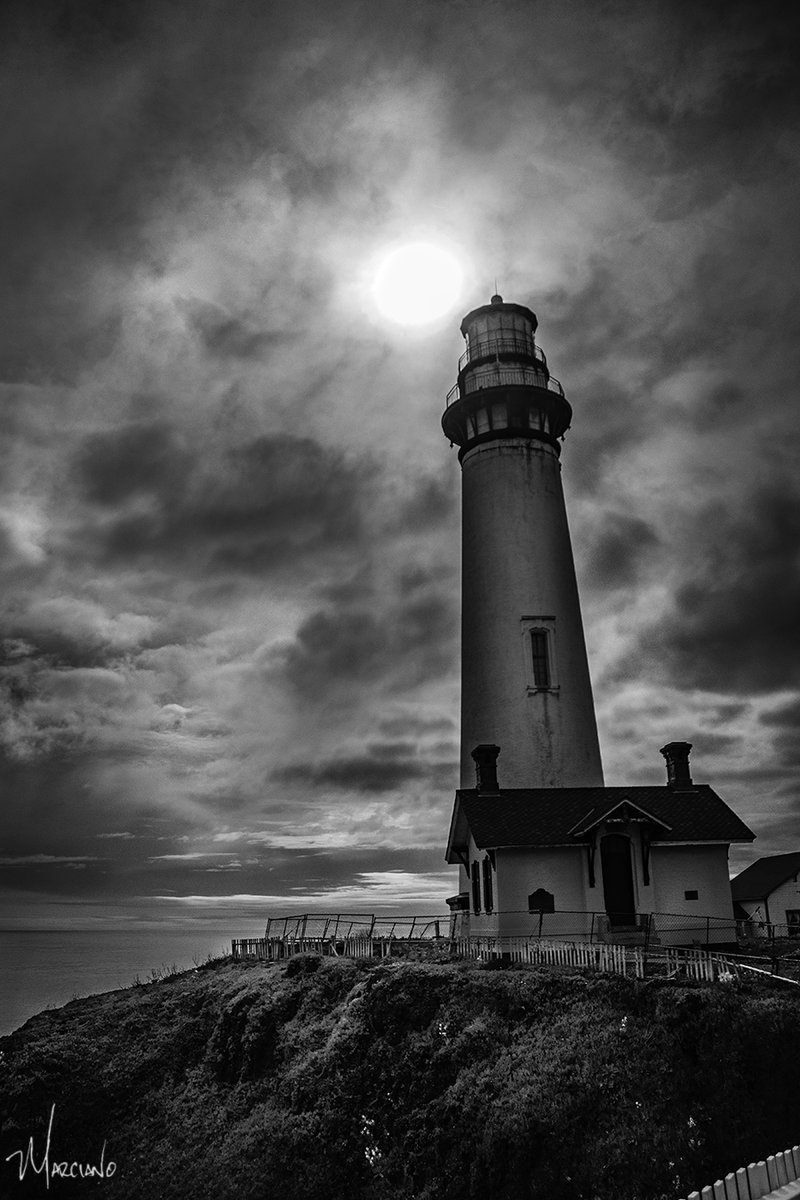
[[615, 857]]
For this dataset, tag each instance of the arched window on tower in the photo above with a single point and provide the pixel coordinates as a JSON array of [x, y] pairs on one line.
[[538, 643]]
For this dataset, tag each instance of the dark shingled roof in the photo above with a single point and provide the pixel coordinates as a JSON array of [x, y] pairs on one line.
[[760, 879], [560, 816]]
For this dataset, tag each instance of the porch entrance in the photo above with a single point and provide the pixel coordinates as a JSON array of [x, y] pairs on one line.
[[615, 859]]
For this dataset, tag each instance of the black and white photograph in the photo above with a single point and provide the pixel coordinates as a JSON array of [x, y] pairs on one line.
[[400, 599]]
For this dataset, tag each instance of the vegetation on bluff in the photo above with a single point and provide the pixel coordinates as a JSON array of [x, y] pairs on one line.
[[327, 1079]]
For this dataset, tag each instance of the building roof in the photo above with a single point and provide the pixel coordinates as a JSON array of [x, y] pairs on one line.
[[564, 816], [760, 879]]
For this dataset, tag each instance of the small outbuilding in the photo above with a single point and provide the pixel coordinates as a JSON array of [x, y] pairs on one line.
[[767, 895], [600, 862]]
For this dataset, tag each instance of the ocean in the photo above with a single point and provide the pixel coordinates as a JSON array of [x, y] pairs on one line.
[[45, 969]]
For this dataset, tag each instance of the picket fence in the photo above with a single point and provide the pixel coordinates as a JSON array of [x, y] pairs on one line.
[[775, 1178], [671, 961]]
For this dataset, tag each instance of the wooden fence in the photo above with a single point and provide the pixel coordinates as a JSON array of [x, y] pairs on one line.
[[777, 1177]]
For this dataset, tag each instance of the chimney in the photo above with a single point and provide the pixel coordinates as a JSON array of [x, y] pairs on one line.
[[677, 756], [486, 767]]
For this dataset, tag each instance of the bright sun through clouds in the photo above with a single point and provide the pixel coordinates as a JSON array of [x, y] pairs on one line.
[[417, 283]]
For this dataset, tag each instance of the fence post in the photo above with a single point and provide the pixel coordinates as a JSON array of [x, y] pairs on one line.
[[758, 1179], [780, 1166]]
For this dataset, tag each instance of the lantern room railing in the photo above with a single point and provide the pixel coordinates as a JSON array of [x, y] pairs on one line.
[[504, 377], [491, 346]]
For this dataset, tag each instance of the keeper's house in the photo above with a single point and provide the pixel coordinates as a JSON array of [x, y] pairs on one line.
[[595, 861]]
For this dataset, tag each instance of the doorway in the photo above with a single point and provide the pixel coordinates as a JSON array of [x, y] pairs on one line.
[[615, 858]]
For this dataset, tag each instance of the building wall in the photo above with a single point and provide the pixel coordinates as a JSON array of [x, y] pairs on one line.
[[786, 897], [518, 573], [704, 869]]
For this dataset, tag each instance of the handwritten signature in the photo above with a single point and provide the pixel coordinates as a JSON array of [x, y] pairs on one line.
[[60, 1170]]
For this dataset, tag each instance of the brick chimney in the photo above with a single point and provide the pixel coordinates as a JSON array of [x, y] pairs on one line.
[[486, 767], [677, 756]]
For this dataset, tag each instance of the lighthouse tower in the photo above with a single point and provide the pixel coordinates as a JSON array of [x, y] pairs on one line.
[[524, 672]]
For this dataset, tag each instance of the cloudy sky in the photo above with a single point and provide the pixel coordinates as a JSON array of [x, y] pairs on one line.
[[229, 521]]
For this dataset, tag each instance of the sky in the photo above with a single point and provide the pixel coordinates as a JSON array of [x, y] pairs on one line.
[[229, 519]]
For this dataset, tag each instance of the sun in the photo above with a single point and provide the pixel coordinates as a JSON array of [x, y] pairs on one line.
[[417, 283]]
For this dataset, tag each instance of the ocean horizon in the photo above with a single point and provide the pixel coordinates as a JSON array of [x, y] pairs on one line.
[[48, 968]]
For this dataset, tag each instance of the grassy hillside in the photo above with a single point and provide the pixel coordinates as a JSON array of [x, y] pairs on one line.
[[321, 1079]]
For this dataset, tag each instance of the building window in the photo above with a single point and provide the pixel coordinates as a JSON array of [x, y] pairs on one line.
[[476, 886], [690, 895], [488, 896], [541, 659], [793, 922]]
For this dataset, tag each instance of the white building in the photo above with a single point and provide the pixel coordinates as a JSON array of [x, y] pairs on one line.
[[767, 894], [553, 849]]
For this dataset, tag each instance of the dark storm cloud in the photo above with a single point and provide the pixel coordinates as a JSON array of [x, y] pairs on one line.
[[385, 767], [227, 335], [145, 457], [418, 726], [432, 504], [617, 550], [361, 774], [256, 507], [735, 611], [412, 642]]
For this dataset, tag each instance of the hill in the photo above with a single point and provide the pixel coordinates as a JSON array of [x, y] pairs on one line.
[[320, 1079]]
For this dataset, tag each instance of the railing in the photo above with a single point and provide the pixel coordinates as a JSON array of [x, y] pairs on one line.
[[505, 377], [779, 1175], [346, 925], [486, 347], [768, 931], [652, 928]]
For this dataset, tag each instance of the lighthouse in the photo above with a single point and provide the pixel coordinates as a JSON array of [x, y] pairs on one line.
[[525, 684]]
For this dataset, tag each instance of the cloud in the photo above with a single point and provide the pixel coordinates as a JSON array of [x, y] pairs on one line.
[[406, 643], [26, 860], [369, 774], [261, 507], [617, 549], [734, 608]]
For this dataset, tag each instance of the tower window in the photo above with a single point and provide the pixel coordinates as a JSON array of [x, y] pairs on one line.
[[538, 647], [541, 660], [476, 886]]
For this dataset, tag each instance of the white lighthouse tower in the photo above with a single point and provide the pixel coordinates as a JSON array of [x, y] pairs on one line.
[[524, 672]]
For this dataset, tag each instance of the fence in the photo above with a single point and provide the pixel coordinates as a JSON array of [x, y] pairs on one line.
[[778, 1176], [670, 963]]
